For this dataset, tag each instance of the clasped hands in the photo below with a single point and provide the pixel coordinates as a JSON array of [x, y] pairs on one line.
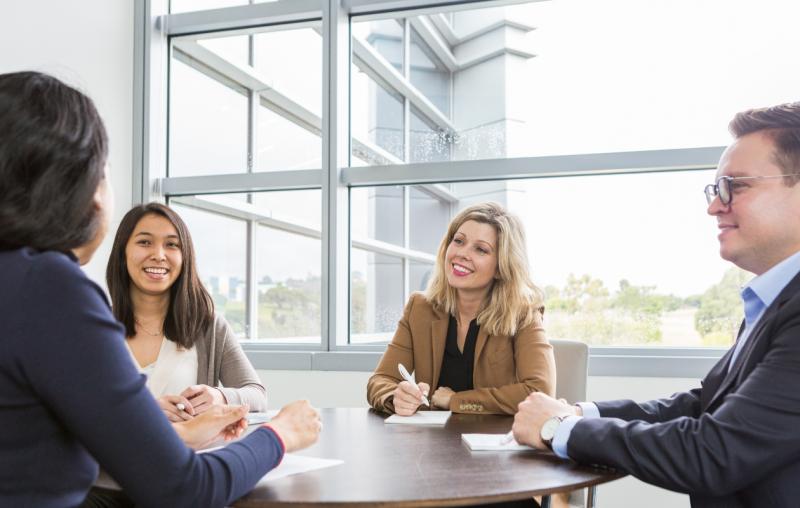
[[532, 412], [195, 400], [408, 397]]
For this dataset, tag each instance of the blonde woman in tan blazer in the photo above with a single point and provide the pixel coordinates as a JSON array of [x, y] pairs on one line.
[[474, 339]]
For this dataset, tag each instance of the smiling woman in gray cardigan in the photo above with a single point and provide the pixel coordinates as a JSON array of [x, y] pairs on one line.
[[190, 355]]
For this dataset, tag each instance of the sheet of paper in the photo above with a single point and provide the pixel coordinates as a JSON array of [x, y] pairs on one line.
[[258, 418], [480, 442], [421, 418], [296, 464]]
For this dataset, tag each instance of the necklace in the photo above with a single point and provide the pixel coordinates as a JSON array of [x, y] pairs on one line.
[[148, 332]]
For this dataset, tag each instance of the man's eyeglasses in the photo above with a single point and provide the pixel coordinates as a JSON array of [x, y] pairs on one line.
[[726, 184]]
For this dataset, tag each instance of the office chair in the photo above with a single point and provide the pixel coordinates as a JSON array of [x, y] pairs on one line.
[[572, 371]]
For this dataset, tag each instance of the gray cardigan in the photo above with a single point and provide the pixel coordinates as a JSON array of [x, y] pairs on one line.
[[221, 361]]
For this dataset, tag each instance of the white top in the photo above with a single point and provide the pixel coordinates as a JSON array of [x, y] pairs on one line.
[[174, 370]]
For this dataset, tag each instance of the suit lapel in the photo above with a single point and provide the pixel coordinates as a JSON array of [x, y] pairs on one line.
[[755, 337], [483, 336], [717, 374], [438, 340], [714, 378]]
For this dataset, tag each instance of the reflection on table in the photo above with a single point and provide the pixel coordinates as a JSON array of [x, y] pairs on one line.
[[398, 465]]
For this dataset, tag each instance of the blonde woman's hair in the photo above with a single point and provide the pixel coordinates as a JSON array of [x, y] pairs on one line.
[[514, 300]]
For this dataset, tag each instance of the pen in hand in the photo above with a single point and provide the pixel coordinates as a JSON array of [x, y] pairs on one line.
[[408, 377], [507, 438]]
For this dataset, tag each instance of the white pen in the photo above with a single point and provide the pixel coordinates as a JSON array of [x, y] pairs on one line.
[[507, 438], [408, 377], [180, 406]]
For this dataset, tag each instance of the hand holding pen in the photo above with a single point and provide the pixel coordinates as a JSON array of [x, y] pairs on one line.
[[409, 394], [176, 407]]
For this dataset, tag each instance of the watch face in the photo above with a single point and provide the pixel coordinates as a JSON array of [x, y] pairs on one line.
[[549, 429]]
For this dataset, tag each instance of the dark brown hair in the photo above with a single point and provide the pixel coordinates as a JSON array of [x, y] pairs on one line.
[[781, 124], [53, 150], [191, 310]]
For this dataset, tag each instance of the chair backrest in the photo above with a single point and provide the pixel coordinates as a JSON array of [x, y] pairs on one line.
[[572, 369]]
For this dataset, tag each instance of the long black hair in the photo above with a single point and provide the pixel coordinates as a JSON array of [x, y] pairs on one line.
[[53, 151], [191, 310]]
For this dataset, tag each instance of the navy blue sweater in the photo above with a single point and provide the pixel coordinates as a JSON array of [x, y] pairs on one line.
[[70, 394]]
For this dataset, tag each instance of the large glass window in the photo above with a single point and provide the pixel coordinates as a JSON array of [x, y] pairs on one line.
[[618, 238], [221, 249], [395, 233], [540, 79], [283, 255], [623, 259], [288, 266], [246, 103], [208, 123]]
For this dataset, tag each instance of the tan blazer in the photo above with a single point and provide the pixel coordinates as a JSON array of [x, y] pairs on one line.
[[506, 369]]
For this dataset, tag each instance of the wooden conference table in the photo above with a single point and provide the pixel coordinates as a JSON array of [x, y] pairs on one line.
[[420, 466]]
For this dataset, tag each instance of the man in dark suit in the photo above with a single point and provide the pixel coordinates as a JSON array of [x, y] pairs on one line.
[[736, 440]]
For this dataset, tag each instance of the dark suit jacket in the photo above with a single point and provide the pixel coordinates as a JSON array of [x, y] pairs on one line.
[[733, 442], [506, 369]]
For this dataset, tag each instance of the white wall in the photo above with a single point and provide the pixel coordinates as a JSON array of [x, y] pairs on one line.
[[88, 44], [348, 389]]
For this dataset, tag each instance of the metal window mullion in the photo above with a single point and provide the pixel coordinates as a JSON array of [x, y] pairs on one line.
[[242, 17], [335, 157], [406, 241], [376, 9], [645, 161], [252, 286], [298, 179], [406, 99], [406, 153], [251, 305], [452, 137], [151, 53]]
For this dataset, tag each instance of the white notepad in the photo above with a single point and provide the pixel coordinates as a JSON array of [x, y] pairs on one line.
[[258, 418], [290, 464], [421, 418], [481, 442]]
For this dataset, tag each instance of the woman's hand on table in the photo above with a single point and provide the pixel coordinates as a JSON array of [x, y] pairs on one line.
[[214, 424], [297, 424], [441, 397], [203, 397], [172, 404], [407, 397]]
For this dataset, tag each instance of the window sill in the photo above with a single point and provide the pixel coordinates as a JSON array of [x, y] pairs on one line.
[[603, 361]]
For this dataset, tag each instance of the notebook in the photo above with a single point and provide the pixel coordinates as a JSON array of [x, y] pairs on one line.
[[481, 442]]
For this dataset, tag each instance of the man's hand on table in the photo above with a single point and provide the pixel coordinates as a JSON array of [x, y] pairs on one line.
[[536, 409]]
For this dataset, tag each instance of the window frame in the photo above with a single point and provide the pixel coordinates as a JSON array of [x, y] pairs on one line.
[[154, 27]]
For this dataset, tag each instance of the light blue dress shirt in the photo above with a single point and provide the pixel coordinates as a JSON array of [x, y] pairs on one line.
[[757, 295]]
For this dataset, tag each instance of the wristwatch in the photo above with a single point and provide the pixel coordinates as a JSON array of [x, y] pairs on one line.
[[548, 430]]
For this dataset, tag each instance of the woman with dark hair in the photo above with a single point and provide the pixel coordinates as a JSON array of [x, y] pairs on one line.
[[170, 326], [70, 396]]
